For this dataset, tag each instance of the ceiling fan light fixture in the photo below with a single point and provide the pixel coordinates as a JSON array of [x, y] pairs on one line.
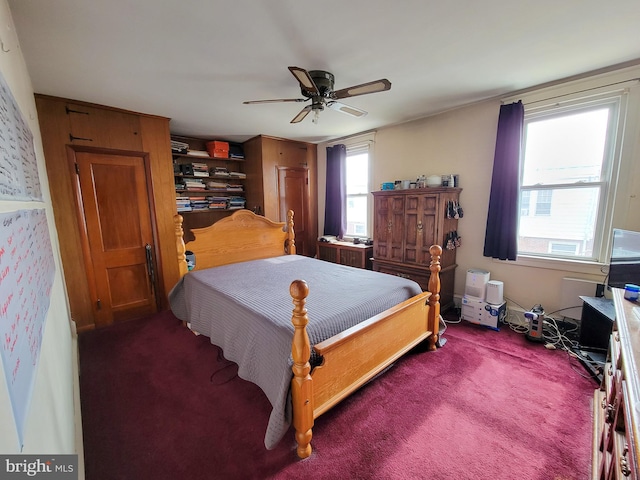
[[317, 86]]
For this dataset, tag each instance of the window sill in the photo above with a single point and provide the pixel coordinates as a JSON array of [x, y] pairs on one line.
[[575, 266]]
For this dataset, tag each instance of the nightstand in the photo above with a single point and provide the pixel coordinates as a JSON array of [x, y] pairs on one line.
[[346, 253]]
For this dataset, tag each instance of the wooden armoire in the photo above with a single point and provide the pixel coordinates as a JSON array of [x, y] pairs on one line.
[[112, 190], [406, 224], [282, 176]]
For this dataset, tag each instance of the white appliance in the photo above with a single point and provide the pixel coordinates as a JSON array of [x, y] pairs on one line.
[[476, 283], [495, 289], [483, 313]]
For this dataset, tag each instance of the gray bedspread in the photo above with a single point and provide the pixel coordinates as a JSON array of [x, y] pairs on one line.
[[245, 309]]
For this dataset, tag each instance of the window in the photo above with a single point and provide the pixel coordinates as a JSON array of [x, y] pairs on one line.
[[566, 172], [525, 200], [357, 191], [543, 202]]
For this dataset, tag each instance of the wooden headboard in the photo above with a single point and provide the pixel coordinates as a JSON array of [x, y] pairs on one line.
[[239, 237]]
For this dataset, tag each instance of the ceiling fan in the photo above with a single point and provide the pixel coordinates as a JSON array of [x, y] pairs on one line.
[[317, 86]]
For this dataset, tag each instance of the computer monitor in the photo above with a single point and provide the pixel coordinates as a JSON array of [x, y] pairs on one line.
[[624, 266]]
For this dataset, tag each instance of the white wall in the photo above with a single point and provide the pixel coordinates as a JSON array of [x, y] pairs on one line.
[[51, 421], [462, 142]]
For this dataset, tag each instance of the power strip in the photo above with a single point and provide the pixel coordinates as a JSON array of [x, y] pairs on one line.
[[536, 320]]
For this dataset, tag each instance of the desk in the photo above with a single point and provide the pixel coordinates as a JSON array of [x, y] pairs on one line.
[[346, 253]]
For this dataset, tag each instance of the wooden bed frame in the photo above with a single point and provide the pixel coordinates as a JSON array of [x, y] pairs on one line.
[[347, 360]]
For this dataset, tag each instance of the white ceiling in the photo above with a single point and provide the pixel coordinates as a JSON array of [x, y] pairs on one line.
[[196, 61]]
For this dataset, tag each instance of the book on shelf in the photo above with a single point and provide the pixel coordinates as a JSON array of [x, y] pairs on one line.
[[213, 185], [219, 171], [236, 202], [198, 153], [179, 147]]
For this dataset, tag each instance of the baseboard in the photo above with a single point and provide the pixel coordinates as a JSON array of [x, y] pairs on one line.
[[75, 355]]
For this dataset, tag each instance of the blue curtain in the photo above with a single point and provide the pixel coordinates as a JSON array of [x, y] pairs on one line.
[[335, 217], [501, 236]]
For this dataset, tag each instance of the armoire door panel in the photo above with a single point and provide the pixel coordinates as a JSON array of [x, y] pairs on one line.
[[115, 208]]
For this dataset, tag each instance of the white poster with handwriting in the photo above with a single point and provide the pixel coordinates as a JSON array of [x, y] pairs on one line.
[[18, 166], [26, 276]]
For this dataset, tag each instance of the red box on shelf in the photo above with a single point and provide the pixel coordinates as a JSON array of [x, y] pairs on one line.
[[218, 149]]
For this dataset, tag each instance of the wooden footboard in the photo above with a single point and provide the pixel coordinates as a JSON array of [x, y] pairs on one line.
[[354, 356]]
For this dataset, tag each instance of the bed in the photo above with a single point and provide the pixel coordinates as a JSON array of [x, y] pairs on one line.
[[240, 293]]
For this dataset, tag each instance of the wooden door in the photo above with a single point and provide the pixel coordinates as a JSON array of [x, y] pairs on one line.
[[389, 227], [293, 194], [114, 201]]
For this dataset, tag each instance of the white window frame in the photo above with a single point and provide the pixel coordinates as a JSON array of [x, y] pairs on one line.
[[625, 83], [357, 149], [607, 183], [357, 142]]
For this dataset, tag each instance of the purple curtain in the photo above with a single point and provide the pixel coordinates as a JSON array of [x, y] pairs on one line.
[[501, 236], [335, 217]]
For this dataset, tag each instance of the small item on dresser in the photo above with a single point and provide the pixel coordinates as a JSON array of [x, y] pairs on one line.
[[387, 186], [434, 181], [631, 292]]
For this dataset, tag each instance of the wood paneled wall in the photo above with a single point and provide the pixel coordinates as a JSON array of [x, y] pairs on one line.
[[65, 123]]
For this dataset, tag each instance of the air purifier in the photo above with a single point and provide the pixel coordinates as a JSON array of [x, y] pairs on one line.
[[476, 283], [495, 290]]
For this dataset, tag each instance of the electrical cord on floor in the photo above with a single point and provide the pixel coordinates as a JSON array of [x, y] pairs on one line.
[[442, 326], [552, 335], [556, 339]]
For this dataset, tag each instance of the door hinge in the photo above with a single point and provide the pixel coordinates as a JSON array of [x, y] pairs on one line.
[[77, 169], [75, 111], [99, 304], [72, 138]]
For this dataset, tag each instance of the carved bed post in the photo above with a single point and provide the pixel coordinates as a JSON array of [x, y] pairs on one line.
[[291, 237], [180, 247], [434, 299], [301, 384]]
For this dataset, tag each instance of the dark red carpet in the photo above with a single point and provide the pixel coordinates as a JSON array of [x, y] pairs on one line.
[[158, 403]]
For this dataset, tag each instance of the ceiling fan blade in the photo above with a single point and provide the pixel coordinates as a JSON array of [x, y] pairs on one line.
[[277, 100], [369, 87], [305, 80], [349, 110], [303, 113]]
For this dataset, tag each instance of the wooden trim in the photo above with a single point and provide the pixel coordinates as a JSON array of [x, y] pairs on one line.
[[95, 105]]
